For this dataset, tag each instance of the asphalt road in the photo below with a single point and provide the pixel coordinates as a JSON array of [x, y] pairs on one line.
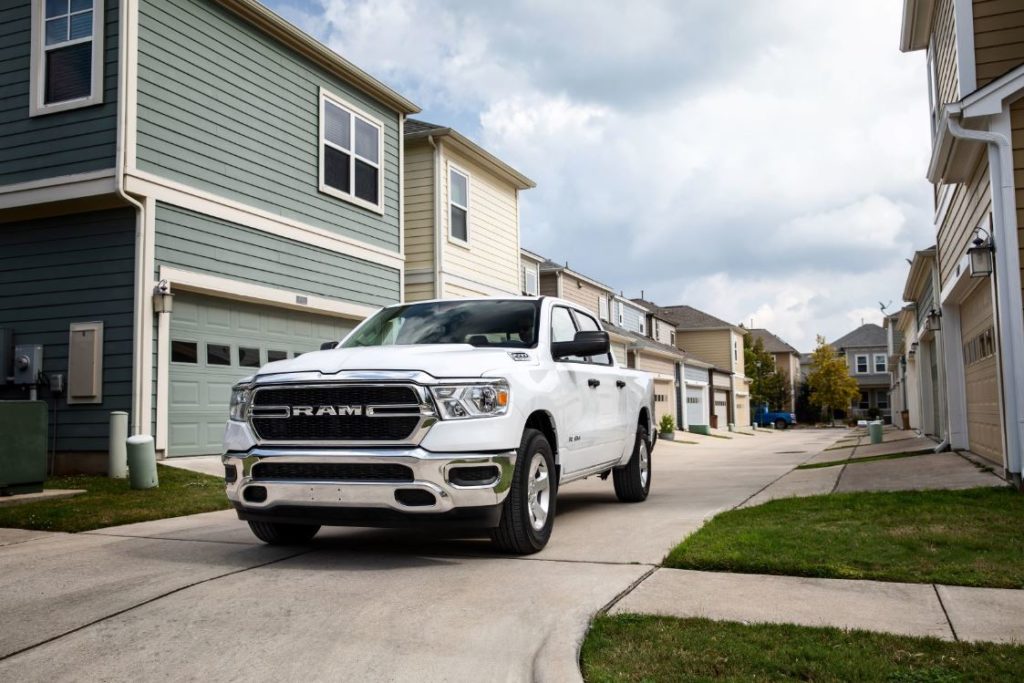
[[198, 598]]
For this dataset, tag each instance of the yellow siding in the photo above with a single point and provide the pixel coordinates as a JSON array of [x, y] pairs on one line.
[[712, 346], [945, 52], [492, 257], [1017, 123], [419, 292], [619, 351], [455, 291], [739, 362], [419, 206], [582, 293], [651, 363], [998, 38], [968, 208]]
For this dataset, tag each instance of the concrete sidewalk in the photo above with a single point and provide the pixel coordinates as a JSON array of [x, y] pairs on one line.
[[947, 612]]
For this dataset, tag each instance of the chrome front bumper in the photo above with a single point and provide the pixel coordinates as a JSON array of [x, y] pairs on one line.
[[430, 473]]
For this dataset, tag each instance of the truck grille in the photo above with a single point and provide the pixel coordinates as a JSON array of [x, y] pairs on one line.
[[326, 471], [365, 413]]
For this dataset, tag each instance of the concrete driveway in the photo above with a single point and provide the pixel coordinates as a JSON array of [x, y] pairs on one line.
[[199, 598]]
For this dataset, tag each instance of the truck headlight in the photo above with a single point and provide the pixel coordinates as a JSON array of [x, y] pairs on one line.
[[241, 397], [463, 401]]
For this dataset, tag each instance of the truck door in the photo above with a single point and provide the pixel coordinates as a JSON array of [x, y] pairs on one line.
[[612, 396], [578, 400]]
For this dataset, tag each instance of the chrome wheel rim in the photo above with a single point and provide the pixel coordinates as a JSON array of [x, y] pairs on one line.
[[538, 492], [645, 464]]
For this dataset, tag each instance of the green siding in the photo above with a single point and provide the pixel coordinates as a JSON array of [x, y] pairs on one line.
[[224, 108], [74, 268], [75, 141]]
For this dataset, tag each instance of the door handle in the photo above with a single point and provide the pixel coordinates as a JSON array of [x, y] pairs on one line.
[[620, 384], [594, 383]]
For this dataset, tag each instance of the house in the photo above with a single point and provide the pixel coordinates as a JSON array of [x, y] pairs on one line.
[[188, 189], [529, 267], [461, 217], [904, 396], [924, 350], [787, 362], [975, 77], [720, 344], [866, 352]]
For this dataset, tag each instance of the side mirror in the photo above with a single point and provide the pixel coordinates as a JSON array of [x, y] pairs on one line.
[[327, 346], [586, 343]]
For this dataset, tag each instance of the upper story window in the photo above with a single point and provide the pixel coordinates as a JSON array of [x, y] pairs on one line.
[[861, 364], [618, 312], [672, 337], [602, 307], [881, 363], [350, 153], [67, 55], [530, 281], [642, 325], [458, 205]]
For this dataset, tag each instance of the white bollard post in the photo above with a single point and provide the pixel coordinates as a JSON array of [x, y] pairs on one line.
[[117, 453]]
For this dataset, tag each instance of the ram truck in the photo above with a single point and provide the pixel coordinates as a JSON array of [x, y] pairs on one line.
[[470, 413]]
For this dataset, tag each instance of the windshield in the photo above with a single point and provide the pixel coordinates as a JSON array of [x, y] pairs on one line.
[[499, 323]]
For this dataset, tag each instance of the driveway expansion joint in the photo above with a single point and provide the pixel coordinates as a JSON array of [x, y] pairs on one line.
[[938, 596]]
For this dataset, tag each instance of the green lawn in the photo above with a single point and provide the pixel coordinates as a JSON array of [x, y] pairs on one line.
[[966, 538], [648, 648], [109, 502]]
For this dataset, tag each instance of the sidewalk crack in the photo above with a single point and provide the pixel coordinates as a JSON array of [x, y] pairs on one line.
[[938, 596]]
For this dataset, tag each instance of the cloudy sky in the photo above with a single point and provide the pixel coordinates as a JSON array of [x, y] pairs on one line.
[[758, 159]]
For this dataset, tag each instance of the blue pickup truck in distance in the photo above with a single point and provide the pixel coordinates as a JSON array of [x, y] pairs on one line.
[[764, 418]]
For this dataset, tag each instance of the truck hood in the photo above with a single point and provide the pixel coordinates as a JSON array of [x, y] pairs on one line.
[[439, 360]]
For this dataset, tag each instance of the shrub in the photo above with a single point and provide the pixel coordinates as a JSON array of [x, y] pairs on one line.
[[667, 424]]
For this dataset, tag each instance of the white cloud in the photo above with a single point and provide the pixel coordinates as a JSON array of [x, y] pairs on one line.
[[763, 159]]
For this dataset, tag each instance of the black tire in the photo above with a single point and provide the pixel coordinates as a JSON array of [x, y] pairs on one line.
[[781, 424], [517, 533], [276, 533], [630, 484]]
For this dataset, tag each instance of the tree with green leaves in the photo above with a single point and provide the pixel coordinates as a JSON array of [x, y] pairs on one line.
[[830, 381], [767, 384]]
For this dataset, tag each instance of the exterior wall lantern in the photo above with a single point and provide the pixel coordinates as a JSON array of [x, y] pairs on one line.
[[933, 323], [913, 350], [980, 254]]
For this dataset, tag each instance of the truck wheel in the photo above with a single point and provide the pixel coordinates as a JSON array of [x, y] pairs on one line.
[[781, 424], [276, 533], [633, 481], [529, 510]]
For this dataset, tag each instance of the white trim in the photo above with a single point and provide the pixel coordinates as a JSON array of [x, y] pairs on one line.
[[874, 364], [58, 188], [963, 25], [37, 70], [694, 383], [401, 204], [867, 364], [454, 168], [227, 288], [163, 378], [354, 112], [147, 285], [130, 64], [147, 184]]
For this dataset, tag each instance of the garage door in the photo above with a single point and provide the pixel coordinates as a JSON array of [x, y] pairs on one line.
[[664, 399], [695, 408], [721, 409], [216, 342], [984, 425]]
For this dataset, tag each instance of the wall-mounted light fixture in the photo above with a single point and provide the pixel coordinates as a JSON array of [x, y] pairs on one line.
[[981, 253], [913, 350], [933, 322]]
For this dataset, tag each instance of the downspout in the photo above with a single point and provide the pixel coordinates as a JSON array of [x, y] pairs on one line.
[[1009, 307], [141, 298], [438, 237]]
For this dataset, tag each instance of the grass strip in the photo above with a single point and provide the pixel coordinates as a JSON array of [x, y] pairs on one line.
[[111, 502], [867, 458], [962, 538], [631, 647]]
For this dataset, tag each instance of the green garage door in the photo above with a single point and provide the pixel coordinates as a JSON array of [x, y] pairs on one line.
[[216, 342]]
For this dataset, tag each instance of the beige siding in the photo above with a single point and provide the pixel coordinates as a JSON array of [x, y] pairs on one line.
[[456, 291], [492, 256], [1017, 122], [419, 217], [619, 351], [968, 208], [661, 331], [650, 363], [998, 38], [712, 346], [582, 293], [548, 284], [739, 362], [945, 52]]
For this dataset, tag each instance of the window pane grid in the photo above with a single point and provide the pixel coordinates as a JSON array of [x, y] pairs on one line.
[[358, 141]]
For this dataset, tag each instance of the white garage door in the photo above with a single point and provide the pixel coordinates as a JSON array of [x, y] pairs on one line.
[[721, 409], [216, 342], [696, 397]]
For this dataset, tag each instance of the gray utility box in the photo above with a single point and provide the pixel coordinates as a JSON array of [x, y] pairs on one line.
[[22, 447]]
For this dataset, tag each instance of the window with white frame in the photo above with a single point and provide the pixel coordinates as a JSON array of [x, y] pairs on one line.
[[602, 307], [618, 311], [529, 281], [67, 55], [458, 205], [881, 363], [672, 337], [642, 324], [350, 153], [861, 364]]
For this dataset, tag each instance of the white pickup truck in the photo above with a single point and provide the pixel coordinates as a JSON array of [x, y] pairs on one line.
[[467, 412]]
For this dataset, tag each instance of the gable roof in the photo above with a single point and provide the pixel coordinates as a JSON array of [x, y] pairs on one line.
[[416, 129], [690, 318], [772, 343], [869, 334], [276, 26]]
